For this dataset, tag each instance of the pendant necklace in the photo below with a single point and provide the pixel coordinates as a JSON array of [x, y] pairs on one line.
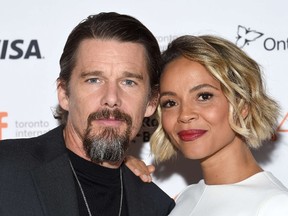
[[83, 194]]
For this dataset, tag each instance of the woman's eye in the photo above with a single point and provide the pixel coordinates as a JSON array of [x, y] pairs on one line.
[[168, 104], [205, 96]]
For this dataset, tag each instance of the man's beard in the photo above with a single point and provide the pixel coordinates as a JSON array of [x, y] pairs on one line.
[[107, 144]]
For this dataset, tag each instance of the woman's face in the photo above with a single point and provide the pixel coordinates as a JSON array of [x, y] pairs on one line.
[[194, 109]]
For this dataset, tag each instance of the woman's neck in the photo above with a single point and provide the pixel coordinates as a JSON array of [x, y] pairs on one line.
[[231, 164]]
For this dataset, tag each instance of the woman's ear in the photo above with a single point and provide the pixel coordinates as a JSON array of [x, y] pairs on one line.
[[245, 111]]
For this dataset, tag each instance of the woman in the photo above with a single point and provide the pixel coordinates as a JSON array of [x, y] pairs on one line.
[[213, 108]]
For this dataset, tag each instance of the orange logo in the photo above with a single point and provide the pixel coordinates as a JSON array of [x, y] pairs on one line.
[[2, 124], [282, 127]]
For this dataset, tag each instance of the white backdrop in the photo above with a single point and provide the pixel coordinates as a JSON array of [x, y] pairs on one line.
[[33, 34]]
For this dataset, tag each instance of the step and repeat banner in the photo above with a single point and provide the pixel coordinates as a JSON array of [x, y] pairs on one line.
[[33, 33]]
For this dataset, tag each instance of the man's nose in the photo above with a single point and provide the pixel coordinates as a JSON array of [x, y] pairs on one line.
[[111, 96]]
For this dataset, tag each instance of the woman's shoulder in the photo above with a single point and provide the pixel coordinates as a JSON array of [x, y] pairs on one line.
[[276, 204], [274, 182]]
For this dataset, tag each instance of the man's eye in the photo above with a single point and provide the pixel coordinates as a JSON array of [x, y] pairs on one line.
[[205, 96], [129, 82], [167, 104], [93, 80]]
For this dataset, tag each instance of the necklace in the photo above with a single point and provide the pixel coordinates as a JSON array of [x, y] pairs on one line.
[[83, 194]]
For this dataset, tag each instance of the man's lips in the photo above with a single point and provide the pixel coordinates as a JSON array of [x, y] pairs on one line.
[[190, 135], [110, 121]]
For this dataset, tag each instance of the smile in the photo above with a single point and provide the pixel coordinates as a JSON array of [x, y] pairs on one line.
[[190, 135]]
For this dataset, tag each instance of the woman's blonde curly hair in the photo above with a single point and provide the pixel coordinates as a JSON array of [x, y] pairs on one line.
[[241, 81]]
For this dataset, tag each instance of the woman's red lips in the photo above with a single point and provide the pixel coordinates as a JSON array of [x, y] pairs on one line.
[[190, 135]]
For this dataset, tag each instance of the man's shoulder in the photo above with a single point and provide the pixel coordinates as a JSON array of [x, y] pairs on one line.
[[22, 147], [148, 189], [149, 195]]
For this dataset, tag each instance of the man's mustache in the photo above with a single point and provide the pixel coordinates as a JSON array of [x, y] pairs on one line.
[[107, 114]]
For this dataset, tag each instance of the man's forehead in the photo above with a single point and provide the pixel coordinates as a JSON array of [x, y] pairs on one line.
[[112, 53]]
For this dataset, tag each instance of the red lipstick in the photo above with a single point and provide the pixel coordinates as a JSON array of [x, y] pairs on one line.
[[190, 135]]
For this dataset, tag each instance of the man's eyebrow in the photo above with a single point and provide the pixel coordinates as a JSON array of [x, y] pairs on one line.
[[90, 73], [99, 73], [133, 75]]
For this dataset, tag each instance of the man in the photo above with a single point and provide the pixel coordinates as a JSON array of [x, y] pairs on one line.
[[107, 85]]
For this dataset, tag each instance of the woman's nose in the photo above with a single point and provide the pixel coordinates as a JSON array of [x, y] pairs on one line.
[[187, 114]]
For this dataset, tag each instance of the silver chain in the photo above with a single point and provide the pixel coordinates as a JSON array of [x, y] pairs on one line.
[[83, 194]]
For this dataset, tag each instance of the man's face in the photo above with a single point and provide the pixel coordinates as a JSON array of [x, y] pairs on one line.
[[108, 98]]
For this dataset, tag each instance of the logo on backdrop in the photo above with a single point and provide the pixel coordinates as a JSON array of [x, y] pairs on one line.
[[3, 124], [149, 125], [31, 128], [163, 40], [19, 49], [283, 126], [246, 36], [23, 129]]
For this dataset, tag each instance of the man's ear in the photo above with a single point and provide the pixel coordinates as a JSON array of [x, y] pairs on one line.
[[63, 98], [152, 105]]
